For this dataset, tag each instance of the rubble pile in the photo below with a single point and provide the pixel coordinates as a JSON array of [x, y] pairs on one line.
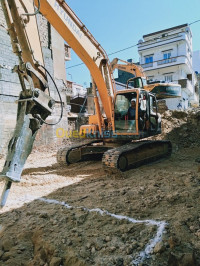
[[42, 233], [162, 107], [181, 128]]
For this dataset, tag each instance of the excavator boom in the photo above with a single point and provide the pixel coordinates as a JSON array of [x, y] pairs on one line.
[[74, 32]]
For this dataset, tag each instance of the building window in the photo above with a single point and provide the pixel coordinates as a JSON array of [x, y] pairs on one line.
[[167, 55], [168, 78], [148, 59]]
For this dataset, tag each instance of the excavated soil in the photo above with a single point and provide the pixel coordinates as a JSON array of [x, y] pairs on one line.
[[79, 215]]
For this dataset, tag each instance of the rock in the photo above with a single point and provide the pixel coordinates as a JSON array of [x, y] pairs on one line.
[[1, 253], [112, 249], [119, 262], [129, 250], [198, 233], [172, 260], [6, 256], [172, 241], [55, 261], [93, 250], [107, 239], [159, 247], [99, 244], [88, 245], [188, 259], [197, 160], [43, 215], [8, 244], [84, 253]]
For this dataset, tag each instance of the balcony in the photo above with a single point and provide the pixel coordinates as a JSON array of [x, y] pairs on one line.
[[186, 85], [167, 61], [147, 65], [152, 43], [173, 61]]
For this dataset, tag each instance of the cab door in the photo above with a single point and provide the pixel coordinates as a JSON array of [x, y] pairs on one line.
[[154, 117]]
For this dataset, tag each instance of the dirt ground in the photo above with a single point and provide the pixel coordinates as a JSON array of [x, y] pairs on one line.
[[79, 215]]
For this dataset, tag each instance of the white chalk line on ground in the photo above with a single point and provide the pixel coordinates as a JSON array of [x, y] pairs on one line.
[[144, 254]]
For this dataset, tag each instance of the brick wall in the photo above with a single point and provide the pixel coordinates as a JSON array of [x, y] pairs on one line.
[[10, 88]]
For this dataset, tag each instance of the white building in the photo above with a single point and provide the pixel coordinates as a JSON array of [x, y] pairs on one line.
[[166, 55], [78, 90], [196, 61]]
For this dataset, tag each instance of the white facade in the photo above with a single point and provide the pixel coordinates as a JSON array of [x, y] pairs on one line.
[[196, 61], [75, 90], [167, 56], [78, 90]]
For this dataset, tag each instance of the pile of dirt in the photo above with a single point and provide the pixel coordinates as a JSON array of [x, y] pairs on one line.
[[162, 107], [181, 128]]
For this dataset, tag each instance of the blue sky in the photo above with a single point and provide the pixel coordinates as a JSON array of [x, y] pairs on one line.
[[117, 24]]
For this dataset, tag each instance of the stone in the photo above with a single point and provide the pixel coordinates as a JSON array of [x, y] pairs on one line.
[[1, 253], [107, 239], [172, 241], [197, 160], [188, 259], [93, 250], [112, 249], [119, 262], [55, 261], [159, 247], [198, 233], [8, 244], [43, 215]]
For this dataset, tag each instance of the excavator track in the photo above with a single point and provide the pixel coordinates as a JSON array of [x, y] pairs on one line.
[[135, 154], [72, 154]]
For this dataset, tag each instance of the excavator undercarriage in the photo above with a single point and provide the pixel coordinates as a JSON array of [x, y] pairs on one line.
[[114, 157]]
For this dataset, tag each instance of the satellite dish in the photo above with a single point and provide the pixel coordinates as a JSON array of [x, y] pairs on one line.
[[140, 41]]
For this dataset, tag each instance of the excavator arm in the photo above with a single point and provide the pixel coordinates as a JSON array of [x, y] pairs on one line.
[[69, 26], [127, 67]]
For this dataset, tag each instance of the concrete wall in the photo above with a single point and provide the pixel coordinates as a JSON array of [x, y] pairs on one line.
[[10, 86]]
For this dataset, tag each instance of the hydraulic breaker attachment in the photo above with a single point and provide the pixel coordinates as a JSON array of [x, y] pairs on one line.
[[34, 106]]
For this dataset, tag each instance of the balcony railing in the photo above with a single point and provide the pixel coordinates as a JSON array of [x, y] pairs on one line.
[[167, 61], [147, 65], [181, 59]]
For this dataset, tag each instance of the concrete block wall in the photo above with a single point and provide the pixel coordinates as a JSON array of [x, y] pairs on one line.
[[10, 88]]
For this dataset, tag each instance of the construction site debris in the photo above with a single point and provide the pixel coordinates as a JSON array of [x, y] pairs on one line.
[[39, 233]]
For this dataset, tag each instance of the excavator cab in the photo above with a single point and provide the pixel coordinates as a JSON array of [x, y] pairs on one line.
[[136, 82], [136, 114]]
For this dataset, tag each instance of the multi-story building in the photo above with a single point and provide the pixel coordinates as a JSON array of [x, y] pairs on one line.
[[166, 56]]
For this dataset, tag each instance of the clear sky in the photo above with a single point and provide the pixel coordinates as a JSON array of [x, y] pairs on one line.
[[118, 24]]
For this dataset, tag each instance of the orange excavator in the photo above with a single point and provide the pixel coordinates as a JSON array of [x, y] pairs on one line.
[[110, 133], [162, 90]]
